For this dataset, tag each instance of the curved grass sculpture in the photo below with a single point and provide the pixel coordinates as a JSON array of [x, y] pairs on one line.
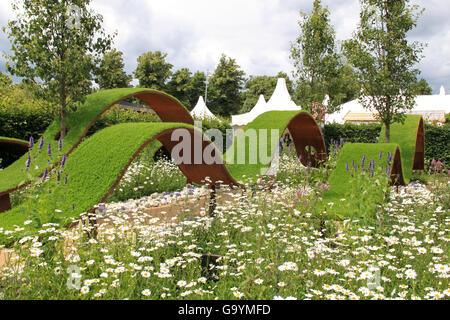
[[410, 137], [17, 146], [302, 127], [97, 165], [15, 176], [380, 162]]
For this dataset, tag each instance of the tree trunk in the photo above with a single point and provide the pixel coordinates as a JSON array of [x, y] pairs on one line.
[[388, 132], [63, 109]]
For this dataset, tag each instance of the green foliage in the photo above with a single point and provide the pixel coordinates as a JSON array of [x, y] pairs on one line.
[[355, 133], [5, 80], [116, 115], [225, 86], [221, 124], [181, 87], [48, 46], [198, 85], [152, 70], [422, 87], [384, 59], [437, 143], [110, 73], [318, 67]]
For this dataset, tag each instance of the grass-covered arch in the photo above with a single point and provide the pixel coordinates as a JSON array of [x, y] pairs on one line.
[[302, 127], [410, 137], [78, 123], [96, 167]]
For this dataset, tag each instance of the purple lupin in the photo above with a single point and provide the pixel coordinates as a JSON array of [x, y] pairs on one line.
[[41, 144], [49, 150], [45, 175], [63, 161], [60, 143], [27, 164], [31, 143]]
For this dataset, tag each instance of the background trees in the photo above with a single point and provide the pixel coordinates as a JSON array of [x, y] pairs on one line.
[[225, 86], [152, 70], [56, 43], [110, 72], [384, 59]]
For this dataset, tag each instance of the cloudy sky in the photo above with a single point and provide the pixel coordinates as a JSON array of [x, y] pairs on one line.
[[257, 33]]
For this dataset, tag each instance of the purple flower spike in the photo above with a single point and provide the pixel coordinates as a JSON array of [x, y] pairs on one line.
[[63, 161], [65, 179], [60, 144], [73, 206], [363, 162], [380, 155], [49, 150], [58, 178], [346, 166], [41, 144], [31, 143], [28, 162], [45, 175]]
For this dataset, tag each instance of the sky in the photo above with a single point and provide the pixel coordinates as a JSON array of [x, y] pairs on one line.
[[256, 33]]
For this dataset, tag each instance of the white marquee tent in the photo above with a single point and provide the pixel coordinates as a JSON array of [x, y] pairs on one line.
[[201, 111], [431, 107], [280, 101]]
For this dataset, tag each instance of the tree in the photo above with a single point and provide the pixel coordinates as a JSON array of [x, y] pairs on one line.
[[153, 71], [180, 86], [56, 42], [265, 85], [422, 87], [225, 86], [198, 85], [5, 80], [317, 65], [384, 60], [110, 72]]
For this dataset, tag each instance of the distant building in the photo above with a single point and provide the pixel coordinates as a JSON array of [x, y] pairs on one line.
[[430, 107]]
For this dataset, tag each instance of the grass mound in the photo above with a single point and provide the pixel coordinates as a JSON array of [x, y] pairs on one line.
[[92, 170], [15, 175]]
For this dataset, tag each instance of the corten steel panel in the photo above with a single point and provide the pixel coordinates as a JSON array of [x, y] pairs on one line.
[[305, 132], [419, 153], [196, 173], [5, 203], [397, 173], [16, 147]]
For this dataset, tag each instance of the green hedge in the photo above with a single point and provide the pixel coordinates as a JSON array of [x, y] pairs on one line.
[[437, 139], [437, 143]]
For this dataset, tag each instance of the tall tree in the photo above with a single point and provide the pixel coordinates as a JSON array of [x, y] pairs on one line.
[[198, 86], [315, 58], [225, 86], [110, 72], [180, 86], [153, 71], [422, 88], [56, 42], [384, 59]]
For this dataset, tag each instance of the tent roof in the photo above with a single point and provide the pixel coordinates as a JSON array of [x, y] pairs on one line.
[[280, 101], [426, 104], [201, 110]]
